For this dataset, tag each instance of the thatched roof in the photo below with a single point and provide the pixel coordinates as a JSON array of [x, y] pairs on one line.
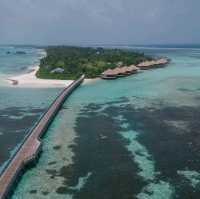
[[145, 64], [117, 70], [108, 72], [126, 70], [161, 61], [132, 68], [123, 70], [120, 70]]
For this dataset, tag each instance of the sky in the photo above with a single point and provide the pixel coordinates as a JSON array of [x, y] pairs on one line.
[[99, 22]]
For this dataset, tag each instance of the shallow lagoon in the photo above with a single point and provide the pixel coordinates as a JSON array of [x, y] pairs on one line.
[[20, 108], [135, 137]]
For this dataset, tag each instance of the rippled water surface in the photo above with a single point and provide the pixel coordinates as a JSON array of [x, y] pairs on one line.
[[135, 137], [20, 108]]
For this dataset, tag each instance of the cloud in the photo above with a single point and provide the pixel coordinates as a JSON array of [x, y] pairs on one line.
[[94, 21]]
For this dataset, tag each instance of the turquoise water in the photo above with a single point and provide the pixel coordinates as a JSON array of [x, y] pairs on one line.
[[135, 137], [12, 62], [20, 108]]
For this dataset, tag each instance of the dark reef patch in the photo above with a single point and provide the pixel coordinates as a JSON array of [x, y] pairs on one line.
[[159, 132], [57, 147], [52, 172], [45, 193], [101, 151], [62, 190], [33, 191], [170, 135], [15, 124], [52, 163]]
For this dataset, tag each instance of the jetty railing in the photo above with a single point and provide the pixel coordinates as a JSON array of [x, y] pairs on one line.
[[31, 145]]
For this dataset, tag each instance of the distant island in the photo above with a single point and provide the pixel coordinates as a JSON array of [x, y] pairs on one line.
[[71, 62], [17, 52], [20, 53]]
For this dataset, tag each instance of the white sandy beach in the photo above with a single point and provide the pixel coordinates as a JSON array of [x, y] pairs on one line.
[[30, 80]]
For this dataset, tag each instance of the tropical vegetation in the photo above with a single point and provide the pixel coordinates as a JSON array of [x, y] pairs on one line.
[[63, 62]]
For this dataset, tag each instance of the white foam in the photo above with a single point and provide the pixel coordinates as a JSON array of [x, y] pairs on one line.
[[154, 189], [192, 176], [81, 182], [140, 155], [160, 190]]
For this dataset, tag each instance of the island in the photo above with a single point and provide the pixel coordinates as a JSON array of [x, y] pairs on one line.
[[20, 52], [64, 62]]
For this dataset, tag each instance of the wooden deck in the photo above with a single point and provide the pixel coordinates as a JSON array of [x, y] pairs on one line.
[[31, 146]]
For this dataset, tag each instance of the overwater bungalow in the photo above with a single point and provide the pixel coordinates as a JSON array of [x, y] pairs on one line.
[[152, 64], [128, 70], [162, 61], [132, 69], [145, 65], [119, 72], [109, 74]]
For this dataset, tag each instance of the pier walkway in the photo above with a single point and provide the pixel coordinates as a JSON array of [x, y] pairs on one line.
[[31, 146]]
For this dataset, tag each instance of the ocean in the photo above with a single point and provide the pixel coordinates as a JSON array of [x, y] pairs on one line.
[[134, 137], [20, 108]]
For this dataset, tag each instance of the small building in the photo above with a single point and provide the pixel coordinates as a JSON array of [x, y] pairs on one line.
[[57, 70], [109, 74], [152, 64], [122, 71], [132, 69], [120, 63], [119, 72]]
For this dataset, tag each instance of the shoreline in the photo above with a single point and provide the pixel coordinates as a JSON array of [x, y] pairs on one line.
[[30, 80]]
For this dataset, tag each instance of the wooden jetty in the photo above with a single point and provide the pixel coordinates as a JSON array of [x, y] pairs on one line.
[[31, 146]]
